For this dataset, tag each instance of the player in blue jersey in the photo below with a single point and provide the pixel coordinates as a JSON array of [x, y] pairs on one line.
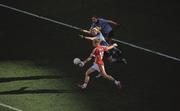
[[105, 26]]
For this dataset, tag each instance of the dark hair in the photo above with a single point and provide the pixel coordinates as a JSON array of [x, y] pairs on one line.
[[95, 17]]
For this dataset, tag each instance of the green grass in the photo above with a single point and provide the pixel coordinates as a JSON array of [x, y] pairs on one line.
[[31, 87]]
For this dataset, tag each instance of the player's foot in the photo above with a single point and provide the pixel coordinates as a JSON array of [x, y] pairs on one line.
[[82, 86], [98, 76], [118, 84], [124, 61]]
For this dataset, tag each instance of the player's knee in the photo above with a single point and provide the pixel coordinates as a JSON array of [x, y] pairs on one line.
[[110, 59], [104, 75], [87, 73]]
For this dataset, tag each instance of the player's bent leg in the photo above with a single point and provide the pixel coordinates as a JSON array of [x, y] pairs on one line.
[[110, 56], [87, 78], [109, 40], [104, 74], [87, 74], [109, 77], [117, 56], [110, 59]]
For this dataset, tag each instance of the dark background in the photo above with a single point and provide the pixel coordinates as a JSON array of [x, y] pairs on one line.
[[150, 81], [152, 24]]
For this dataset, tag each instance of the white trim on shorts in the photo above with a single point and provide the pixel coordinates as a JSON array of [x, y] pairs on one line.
[[95, 67]]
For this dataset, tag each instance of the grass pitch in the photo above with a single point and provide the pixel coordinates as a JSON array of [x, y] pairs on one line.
[[30, 87]]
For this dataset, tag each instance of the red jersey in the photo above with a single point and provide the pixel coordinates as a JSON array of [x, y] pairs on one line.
[[98, 54]]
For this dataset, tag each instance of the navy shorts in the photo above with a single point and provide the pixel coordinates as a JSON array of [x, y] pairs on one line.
[[109, 34]]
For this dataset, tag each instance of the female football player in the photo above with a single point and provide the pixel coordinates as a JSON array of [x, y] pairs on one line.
[[97, 54]]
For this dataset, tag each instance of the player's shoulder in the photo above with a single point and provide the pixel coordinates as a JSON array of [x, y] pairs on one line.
[[103, 20], [102, 46], [96, 48]]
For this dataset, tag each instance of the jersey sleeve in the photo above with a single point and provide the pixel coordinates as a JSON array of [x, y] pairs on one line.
[[105, 48], [92, 26], [103, 20]]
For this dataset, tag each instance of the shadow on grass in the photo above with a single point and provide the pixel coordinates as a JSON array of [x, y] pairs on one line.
[[36, 91], [11, 79]]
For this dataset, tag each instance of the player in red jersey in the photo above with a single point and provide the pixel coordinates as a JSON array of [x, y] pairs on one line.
[[97, 54]]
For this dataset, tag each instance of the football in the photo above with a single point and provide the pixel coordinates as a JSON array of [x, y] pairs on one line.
[[81, 64], [76, 61]]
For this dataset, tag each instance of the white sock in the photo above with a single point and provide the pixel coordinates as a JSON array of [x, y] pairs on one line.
[[99, 75], [114, 60], [85, 85], [116, 82]]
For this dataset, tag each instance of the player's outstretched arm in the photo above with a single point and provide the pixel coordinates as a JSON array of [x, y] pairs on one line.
[[112, 22], [111, 46], [88, 38], [86, 31], [89, 58]]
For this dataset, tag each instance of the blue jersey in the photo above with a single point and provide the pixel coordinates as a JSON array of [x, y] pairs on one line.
[[105, 26]]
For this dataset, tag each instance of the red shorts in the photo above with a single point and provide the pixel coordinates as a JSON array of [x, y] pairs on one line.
[[100, 62]]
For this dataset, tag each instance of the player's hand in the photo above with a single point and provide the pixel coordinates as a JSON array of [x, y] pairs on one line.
[[81, 64], [81, 36], [115, 45], [117, 24], [86, 31], [81, 30]]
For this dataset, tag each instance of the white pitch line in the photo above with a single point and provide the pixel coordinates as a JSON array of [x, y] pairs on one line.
[[77, 28], [147, 50], [41, 17], [10, 107]]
